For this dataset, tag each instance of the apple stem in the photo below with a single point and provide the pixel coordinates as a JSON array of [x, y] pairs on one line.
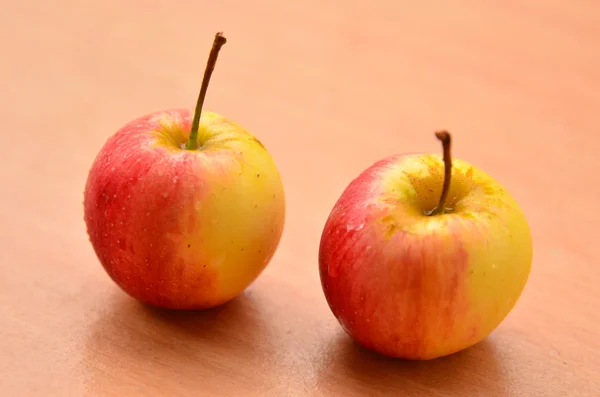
[[445, 138], [219, 41]]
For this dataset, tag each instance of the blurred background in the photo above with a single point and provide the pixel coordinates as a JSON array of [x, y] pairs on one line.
[[329, 87]]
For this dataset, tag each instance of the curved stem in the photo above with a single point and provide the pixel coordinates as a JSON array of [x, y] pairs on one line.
[[445, 138], [219, 41]]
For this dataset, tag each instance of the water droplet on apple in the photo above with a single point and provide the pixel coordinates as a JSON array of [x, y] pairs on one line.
[[354, 226]]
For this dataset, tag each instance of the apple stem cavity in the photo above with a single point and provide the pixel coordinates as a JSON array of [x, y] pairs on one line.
[[220, 40], [444, 137]]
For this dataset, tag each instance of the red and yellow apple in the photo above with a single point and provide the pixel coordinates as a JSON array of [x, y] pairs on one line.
[[184, 212], [418, 262]]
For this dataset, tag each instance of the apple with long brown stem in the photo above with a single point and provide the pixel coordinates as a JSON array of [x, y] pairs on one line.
[[423, 256], [184, 210]]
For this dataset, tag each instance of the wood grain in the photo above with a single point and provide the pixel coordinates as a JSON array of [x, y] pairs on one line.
[[329, 87]]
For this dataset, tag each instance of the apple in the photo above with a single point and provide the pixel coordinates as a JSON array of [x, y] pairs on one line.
[[423, 256], [184, 210]]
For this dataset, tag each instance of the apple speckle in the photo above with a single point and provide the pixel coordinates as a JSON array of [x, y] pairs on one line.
[[160, 173], [165, 195], [189, 246], [258, 175], [147, 214], [112, 169]]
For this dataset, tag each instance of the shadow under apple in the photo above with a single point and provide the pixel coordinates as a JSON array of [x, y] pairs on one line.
[[350, 369], [133, 347]]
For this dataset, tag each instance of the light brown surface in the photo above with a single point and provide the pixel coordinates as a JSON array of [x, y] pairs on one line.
[[329, 87]]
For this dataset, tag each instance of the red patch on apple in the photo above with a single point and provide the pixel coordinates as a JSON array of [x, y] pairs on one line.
[[140, 234], [393, 292]]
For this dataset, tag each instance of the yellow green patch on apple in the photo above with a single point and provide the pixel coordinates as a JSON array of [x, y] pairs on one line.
[[184, 209], [423, 256]]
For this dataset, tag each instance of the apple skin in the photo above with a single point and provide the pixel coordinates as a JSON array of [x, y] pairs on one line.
[[419, 287], [184, 229]]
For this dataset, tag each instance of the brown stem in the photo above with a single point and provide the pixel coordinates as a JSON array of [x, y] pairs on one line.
[[219, 41], [445, 138]]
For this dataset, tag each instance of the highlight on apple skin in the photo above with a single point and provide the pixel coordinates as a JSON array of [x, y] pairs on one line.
[[184, 225], [410, 274]]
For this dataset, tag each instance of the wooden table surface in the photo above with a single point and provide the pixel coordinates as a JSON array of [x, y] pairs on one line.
[[329, 87]]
